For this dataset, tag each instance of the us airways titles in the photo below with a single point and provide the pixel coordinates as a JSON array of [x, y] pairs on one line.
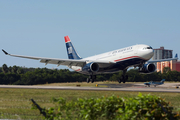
[[122, 50]]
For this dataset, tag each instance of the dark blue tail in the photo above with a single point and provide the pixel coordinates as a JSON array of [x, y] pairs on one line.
[[72, 54]]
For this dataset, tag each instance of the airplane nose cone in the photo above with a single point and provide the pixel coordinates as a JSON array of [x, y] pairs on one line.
[[147, 54], [151, 53]]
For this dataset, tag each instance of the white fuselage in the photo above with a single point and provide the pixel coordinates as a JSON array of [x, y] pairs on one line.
[[139, 52]]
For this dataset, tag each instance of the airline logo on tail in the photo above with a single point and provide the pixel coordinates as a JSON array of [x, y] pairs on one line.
[[69, 50]]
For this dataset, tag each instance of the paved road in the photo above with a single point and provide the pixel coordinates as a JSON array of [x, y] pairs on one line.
[[110, 87]]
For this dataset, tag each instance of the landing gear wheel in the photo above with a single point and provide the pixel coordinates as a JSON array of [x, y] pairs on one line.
[[122, 79], [91, 78], [125, 78], [94, 77], [119, 80]]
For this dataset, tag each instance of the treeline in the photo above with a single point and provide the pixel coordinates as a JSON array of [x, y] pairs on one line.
[[30, 76], [135, 76]]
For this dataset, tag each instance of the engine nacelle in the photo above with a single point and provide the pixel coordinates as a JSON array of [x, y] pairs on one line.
[[91, 67], [147, 68]]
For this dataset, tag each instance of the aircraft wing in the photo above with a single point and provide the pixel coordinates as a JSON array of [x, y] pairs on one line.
[[67, 62], [161, 60]]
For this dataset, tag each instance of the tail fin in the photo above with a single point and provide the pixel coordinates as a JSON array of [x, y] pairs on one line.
[[162, 80], [72, 54]]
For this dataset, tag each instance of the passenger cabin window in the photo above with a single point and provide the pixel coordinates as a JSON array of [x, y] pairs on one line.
[[114, 52]]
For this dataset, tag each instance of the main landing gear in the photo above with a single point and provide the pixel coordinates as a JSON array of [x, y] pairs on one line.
[[124, 77], [91, 78]]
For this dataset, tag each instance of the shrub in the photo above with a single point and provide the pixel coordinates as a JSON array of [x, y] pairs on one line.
[[141, 107]]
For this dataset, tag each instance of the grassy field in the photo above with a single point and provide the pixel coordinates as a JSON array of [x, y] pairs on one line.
[[15, 103]]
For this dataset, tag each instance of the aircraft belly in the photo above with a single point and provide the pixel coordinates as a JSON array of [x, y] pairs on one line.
[[111, 68], [121, 65]]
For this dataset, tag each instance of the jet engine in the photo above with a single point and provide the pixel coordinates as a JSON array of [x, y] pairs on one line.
[[91, 67], [147, 68]]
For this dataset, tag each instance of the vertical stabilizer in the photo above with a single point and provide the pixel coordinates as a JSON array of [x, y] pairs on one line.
[[72, 54], [162, 81]]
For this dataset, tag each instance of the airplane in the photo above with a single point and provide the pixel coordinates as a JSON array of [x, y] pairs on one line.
[[154, 83], [105, 63]]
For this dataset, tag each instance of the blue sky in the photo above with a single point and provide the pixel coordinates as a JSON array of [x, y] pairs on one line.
[[38, 27]]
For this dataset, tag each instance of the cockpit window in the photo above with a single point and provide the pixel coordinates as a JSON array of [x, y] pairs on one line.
[[147, 48]]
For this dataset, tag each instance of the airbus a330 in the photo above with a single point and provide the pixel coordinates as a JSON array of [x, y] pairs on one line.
[[109, 62]]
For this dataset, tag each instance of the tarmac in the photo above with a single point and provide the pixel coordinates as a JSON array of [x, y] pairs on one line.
[[166, 87]]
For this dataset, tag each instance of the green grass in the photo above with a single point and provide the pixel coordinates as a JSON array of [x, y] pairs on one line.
[[16, 103]]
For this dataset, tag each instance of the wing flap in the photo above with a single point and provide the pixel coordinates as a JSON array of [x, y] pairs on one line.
[[66, 62]]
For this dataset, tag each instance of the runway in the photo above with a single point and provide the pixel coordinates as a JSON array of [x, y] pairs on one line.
[[110, 87]]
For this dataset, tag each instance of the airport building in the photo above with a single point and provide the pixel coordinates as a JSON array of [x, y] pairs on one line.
[[162, 53], [173, 65]]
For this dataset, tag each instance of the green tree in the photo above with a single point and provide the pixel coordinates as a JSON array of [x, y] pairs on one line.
[[173, 75], [10, 69], [116, 76], [132, 73], [166, 69], [5, 68], [14, 69], [20, 71]]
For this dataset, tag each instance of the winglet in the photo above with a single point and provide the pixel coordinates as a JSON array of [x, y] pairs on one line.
[[67, 39], [176, 56], [5, 52]]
